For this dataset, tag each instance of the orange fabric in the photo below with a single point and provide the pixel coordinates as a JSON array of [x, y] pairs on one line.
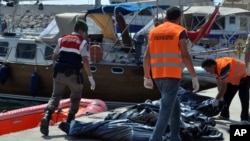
[[29, 117], [237, 71], [165, 54], [96, 53]]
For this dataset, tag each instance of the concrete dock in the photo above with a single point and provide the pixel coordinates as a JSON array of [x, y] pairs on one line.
[[56, 134]]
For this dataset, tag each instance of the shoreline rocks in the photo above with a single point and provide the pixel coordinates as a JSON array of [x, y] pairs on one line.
[[30, 16]]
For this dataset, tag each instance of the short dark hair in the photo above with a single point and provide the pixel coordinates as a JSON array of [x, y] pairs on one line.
[[208, 62], [173, 13]]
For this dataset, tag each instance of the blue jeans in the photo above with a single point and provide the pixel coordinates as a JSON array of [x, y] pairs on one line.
[[169, 110]]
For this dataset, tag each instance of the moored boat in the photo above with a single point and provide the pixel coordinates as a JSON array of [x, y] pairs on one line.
[[227, 36], [30, 117], [26, 66]]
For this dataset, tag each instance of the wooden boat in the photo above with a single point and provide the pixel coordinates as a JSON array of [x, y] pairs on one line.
[[26, 66], [30, 117]]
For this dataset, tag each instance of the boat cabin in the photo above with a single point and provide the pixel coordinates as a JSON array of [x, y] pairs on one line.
[[230, 23], [24, 50]]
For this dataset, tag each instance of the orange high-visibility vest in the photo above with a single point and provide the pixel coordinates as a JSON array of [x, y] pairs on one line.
[[165, 54], [238, 69]]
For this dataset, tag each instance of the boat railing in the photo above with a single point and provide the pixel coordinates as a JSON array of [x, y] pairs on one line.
[[231, 38], [114, 53]]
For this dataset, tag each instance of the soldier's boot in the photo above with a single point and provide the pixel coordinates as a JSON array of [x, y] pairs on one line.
[[44, 125], [70, 117]]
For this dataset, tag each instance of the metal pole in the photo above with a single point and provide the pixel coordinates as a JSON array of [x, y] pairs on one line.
[[157, 8], [97, 3], [181, 7], [1, 16]]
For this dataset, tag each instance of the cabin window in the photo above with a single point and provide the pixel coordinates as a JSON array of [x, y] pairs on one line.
[[3, 48], [93, 68], [49, 52], [194, 23], [231, 20], [25, 51], [243, 24], [145, 12], [117, 70], [200, 20], [219, 24]]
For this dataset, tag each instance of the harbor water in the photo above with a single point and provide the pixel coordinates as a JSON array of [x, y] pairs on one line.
[[12, 103]]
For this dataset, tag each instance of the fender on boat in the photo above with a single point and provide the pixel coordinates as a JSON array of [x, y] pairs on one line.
[[95, 53], [34, 83], [30, 117], [4, 74]]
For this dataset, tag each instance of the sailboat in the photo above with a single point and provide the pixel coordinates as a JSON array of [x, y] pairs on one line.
[[227, 35], [26, 66]]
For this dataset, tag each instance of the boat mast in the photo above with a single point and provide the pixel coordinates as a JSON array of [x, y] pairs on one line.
[[15, 5], [182, 11], [0, 16], [157, 6], [97, 3]]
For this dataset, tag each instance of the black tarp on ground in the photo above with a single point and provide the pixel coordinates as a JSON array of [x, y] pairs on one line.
[[112, 130], [136, 123], [200, 103]]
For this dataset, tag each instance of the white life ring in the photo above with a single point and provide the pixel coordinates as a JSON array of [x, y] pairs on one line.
[[239, 46]]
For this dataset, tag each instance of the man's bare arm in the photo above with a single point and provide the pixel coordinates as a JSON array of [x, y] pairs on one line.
[[86, 65], [146, 64], [186, 57]]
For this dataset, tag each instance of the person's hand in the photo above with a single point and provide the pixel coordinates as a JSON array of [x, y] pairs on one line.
[[196, 84], [148, 83], [215, 103], [248, 72], [92, 83]]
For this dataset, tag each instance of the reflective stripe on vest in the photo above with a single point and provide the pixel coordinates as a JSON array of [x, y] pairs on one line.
[[165, 54], [238, 69], [71, 43]]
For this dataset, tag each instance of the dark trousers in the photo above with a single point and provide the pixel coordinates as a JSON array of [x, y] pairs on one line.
[[243, 88]]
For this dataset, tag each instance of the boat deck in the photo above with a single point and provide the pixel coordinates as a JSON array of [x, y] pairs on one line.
[[56, 134]]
